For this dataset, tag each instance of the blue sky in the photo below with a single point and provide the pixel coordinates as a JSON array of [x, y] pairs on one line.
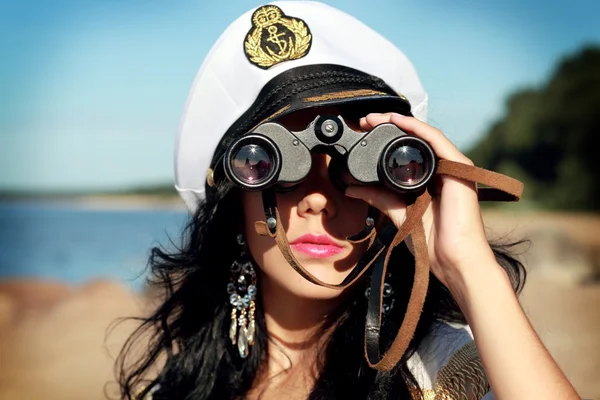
[[91, 91]]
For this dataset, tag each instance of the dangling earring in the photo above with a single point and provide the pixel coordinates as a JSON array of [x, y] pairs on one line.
[[242, 295]]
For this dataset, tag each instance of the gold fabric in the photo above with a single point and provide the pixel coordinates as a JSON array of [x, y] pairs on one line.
[[346, 94], [462, 378]]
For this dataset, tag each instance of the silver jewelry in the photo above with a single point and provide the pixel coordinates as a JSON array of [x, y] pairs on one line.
[[242, 295]]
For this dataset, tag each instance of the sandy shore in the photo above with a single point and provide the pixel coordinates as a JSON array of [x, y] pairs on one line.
[[54, 341]]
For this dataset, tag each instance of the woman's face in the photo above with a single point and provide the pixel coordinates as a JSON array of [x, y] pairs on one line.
[[317, 218]]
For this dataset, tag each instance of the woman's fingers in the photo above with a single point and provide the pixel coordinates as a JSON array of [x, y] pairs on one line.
[[440, 144], [383, 199]]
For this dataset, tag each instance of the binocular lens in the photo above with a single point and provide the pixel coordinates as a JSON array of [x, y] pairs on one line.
[[251, 164], [407, 164]]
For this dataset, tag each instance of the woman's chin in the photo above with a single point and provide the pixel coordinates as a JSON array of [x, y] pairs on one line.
[[331, 270], [324, 271], [308, 290]]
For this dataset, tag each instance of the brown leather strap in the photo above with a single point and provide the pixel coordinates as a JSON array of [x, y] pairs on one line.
[[413, 226], [501, 187]]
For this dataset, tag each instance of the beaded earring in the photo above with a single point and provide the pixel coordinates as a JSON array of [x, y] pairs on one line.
[[242, 295]]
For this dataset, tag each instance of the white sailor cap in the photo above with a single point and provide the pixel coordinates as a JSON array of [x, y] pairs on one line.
[[277, 59]]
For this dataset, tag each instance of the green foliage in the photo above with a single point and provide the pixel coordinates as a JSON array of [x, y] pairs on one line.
[[549, 137]]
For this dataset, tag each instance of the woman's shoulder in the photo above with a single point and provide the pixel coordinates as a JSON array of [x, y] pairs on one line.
[[447, 363]]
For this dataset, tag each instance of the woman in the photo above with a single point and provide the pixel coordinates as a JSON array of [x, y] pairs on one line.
[[238, 322]]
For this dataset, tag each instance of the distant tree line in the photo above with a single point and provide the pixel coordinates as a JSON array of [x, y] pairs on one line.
[[165, 190], [550, 137]]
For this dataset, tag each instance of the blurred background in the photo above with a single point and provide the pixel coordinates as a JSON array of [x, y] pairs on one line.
[[91, 92]]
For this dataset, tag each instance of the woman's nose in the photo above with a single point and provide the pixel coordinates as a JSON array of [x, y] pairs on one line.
[[319, 195]]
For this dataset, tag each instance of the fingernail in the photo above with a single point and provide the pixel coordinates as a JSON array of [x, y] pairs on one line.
[[363, 120], [350, 192], [373, 114]]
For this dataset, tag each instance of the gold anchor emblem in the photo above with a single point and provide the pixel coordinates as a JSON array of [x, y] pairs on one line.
[[275, 37]]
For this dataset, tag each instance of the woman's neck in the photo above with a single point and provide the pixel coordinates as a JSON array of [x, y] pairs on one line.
[[295, 326]]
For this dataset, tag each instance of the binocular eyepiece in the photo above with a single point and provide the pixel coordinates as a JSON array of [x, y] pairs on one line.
[[272, 156]]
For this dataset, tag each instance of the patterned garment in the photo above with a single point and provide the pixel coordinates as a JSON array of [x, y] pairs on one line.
[[447, 365]]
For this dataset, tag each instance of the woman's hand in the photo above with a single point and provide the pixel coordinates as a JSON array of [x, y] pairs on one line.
[[517, 364], [453, 225]]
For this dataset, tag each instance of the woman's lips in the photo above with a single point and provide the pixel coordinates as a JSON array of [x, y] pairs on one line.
[[318, 246]]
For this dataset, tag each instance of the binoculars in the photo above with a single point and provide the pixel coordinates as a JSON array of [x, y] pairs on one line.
[[271, 156]]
